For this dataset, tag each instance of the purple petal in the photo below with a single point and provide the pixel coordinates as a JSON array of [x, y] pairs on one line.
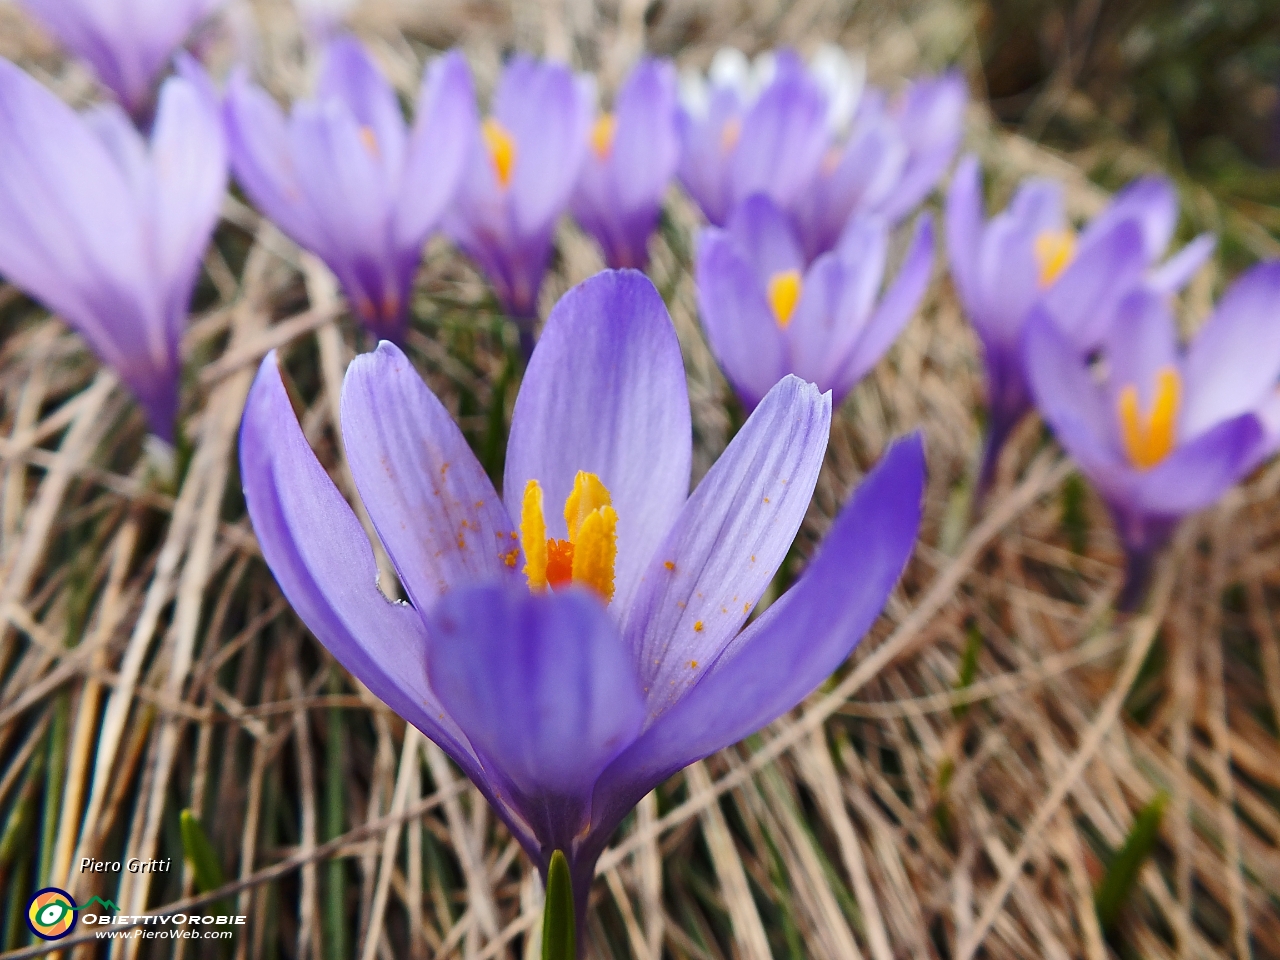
[[435, 511], [931, 121], [1152, 203], [740, 326], [323, 562], [545, 691], [797, 643], [898, 306], [1176, 272], [728, 541], [1201, 470], [440, 144], [784, 137], [1142, 341], [351, 77], [605, 392], [964, 227], [706, 153], [1008, 273], [1083, 301], [763, 236], [826, 319], [548, 114], [1234, 362]]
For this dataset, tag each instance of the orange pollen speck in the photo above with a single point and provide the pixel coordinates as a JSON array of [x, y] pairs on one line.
[[603, 132], [511, 556], [697, 627], [668, 564], [693, 664]]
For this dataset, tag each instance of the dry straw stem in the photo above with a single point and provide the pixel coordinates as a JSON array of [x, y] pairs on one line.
[[149, 654]]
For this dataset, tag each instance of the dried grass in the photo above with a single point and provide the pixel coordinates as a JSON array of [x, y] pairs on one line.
[[149, 664]]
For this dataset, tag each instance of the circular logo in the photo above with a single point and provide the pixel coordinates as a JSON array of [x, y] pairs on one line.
[[51, 913]]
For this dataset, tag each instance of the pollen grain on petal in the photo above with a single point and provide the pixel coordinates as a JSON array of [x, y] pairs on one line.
[[697, 626]]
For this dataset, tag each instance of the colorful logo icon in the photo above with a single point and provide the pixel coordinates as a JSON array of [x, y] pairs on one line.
[[51, 913]]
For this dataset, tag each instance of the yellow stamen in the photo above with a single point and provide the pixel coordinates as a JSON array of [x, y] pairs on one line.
[[730, 134], [1147, 441], [369, 139], [1055, 249], [784, 294], [602, 133], [502, 150], [589, 556]]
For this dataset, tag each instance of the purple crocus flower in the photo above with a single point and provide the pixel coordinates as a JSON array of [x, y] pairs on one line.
[[1161, 431], [345, 179], [767, 316], [734, 143], [108, 229], [569, 662], [522, 171], [1028, 256], [126, 42], [633, 155], [888, 164]]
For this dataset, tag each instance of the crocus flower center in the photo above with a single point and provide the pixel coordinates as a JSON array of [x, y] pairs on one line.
[[602, 133], [1149, 439], [589, 555], [730, 134], [784, 294], [1055, 249], [502, 150]]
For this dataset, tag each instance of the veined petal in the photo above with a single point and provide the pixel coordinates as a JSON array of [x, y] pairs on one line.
[[320, 557], [1234, 362], [605, 392], [434, 509], [897, 307], [740, 327], [796, 644], [544, 690], [349, 75], [727, 543], [440, 144]]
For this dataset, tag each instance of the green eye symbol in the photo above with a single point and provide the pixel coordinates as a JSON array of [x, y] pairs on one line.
[[52, 913]]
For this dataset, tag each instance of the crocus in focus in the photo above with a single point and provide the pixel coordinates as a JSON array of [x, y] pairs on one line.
[[569, 660], [888, 163], [742, 135], [1028, 256], [126, 42], [1159, 430], [523, 168], [766, 315], [107, 229], [633, 155], [344, 178]]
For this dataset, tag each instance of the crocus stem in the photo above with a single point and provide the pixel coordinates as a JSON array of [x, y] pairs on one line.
[[1139, 565]]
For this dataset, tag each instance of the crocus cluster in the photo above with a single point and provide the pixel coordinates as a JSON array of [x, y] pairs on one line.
[[1028, 257], [1160, 430], [576, 640], [126, 42], [345, 178], [107, 228]]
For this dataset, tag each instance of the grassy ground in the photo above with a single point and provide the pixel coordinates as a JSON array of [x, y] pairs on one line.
[[959, 789]]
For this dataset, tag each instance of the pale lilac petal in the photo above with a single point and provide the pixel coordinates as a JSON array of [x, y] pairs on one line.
[[646, 149], [796, 644], [820, 330], [931, 121], [545, 691], [605, 392], [350, 76], [115, 130], [1152, 203], [727, 542], [440, 144], [1233, 364], [784, 137], [964, 225], [1202, 469], [434, 508], [322, 560], [1176, 272], [739, 324], [1142, 341], [763, 236], [1083, 301], [896, 309], [706, 152]]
